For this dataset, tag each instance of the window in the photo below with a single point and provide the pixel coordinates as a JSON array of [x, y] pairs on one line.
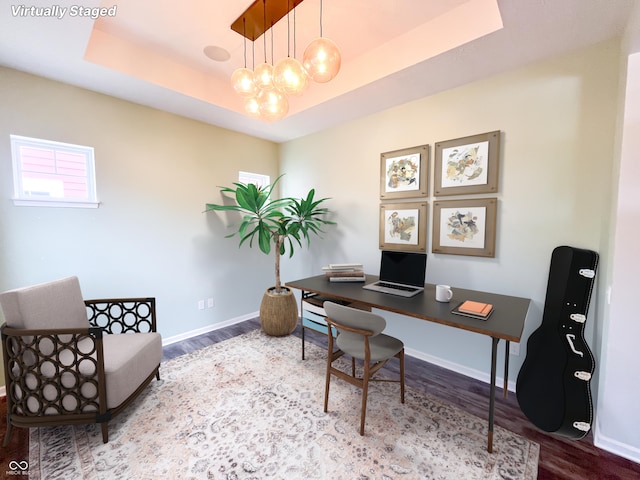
[[52, 174], [257, 179]]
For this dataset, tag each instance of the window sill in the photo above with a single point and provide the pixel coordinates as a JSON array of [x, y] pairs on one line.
[[23, 202]]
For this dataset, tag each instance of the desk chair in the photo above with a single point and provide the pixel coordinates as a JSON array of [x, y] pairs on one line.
[[360, 336]]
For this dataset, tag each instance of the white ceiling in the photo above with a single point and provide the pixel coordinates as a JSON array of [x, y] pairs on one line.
[[393, 51]]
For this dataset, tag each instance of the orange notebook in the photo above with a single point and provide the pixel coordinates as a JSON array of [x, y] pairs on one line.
[[476, 308]]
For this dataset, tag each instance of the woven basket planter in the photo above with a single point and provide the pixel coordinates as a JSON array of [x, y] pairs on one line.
[[278, 313]]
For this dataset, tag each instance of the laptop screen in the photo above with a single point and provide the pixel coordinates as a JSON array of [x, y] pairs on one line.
[[403, 267]]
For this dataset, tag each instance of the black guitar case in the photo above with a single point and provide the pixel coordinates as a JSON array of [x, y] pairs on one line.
[[553, 385]]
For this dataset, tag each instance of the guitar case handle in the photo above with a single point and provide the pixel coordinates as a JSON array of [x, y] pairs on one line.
[[570, 338]]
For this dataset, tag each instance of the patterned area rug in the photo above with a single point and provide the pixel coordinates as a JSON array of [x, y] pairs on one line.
[[250, 408]]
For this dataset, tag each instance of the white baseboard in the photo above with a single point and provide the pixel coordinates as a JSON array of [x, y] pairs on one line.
[[207, 329], [461, 369], [614, 446]]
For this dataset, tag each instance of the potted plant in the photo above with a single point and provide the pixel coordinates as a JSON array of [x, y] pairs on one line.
[[276, 223]]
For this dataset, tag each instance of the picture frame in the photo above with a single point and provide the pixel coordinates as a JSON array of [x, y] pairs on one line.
[[404, 173], [403, 226], [467, 165], [465, 227]]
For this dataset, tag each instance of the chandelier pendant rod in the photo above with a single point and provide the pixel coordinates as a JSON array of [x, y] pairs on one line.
[[244, 25], [264, 23]]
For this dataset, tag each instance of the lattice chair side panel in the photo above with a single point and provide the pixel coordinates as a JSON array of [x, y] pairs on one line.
[[54, 374], [123, 315]]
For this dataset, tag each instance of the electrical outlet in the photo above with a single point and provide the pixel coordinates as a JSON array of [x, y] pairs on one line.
[[514, 349], [210, 302], [200, 304]]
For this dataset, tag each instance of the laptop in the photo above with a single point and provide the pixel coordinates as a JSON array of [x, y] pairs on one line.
[[401, 273]]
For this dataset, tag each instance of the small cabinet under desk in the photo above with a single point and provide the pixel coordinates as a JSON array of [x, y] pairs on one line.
[[312, 314]]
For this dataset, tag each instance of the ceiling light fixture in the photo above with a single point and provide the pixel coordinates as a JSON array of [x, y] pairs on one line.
[[242, 78], [263, 74], [267, 87], [322, 58], [288, 73]]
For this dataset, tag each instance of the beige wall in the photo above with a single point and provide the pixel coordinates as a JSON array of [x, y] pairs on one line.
[[558, 129], [155, 172]]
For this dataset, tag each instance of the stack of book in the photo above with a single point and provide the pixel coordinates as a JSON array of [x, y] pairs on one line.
[[345, 272], [473, 309]]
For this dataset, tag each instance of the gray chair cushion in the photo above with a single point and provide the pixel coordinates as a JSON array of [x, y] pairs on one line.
[[57, 304], [129, 359], [381, 346]]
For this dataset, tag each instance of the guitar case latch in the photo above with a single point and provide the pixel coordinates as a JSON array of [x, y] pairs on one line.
[[578, 317], [587, 272], [586, 376], [582, 426]]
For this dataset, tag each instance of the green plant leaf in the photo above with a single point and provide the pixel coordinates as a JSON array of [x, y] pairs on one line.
[[264, 237], [286, 219]]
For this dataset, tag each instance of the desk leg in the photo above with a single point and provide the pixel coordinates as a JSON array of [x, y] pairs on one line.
[[302, 322], [505, 386], [492, 391]]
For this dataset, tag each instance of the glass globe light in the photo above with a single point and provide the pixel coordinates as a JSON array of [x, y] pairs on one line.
[[290, 77], [242, 81], [274, 105], [263, 76], [322, 60], [252, 107]]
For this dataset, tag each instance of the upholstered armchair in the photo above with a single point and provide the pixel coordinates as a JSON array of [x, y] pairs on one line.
[[71, 361]]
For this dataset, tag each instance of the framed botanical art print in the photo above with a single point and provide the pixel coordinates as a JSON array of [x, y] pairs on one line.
[[403, 226], [403, 173], [465, 227], [467, 165]]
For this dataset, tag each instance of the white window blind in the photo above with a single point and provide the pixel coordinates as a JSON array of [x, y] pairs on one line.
[[48, 173], [258, 179]]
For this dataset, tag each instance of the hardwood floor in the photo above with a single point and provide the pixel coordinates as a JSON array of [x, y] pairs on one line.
[[560, 458], [18, 448]]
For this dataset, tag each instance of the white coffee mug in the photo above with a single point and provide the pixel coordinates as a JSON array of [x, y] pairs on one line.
[[443, 293]]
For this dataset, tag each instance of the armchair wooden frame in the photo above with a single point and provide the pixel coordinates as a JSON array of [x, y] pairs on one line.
[[369, 368], [57, 376]]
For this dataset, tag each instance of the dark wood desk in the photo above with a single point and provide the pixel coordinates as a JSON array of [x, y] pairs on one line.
[[505, 323]]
